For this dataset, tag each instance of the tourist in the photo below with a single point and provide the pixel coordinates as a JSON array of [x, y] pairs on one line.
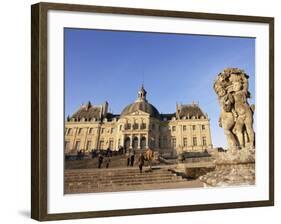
[[107, 157], [128, 157], [149, 157], [141, 161], [100, 159], [132, 157]]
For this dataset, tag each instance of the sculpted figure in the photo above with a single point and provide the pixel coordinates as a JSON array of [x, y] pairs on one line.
[[236, 117], [226, 120]]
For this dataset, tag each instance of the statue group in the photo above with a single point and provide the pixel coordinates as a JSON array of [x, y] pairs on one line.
[[236, 117]]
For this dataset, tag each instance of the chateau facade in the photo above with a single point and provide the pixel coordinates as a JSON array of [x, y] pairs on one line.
[[139, 126]]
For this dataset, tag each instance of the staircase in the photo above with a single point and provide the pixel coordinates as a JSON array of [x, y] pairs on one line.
[[122, 179]]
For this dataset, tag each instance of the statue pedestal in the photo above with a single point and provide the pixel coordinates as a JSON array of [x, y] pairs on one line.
[[233, 168]]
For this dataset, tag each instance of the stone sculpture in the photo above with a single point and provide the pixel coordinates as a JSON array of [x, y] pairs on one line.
[[236, 116]]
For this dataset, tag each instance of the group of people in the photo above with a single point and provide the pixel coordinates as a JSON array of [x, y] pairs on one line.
[[147, 156], [104, 158]]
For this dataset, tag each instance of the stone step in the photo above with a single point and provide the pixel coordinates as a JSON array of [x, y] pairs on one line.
[[125, 180], [105, 173], [106, 184], [119, 177], [111, 171]]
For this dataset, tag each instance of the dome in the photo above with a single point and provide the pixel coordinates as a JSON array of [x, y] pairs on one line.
[[142, 105]]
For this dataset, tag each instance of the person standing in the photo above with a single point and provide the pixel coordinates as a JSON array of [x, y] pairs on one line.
[[132, 157], [107, 157], [141, 161], [128, 157], [149, 157], [100, 159]]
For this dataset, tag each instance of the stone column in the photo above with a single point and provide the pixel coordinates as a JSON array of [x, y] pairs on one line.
[[131, 141], [139, 142]]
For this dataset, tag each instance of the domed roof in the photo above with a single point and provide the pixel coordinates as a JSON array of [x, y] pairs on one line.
[[142, 105]]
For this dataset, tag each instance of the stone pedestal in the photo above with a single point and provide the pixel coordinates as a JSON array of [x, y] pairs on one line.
[[233, 168]]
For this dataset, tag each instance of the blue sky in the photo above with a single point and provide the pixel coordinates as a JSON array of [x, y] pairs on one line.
[[111, 65]]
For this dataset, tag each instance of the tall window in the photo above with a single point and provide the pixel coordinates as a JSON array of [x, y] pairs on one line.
[[120, 127], [69, 131], [203, 127], [128, 126], [193, 127], [185, 142], [102, 130], [77, 145], [174, 142], [79, 131], [89, 144], [135, 126], [143, 126], [174, 128], [204, 140], [90, 130], [111, 130], [111, 144], [66, 146], [194, 140], [184, 127], [101, 144]]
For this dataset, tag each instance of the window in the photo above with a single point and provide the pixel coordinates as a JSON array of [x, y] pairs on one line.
[[203, 127], [143, 126], [193, 127], [135, 126], [69, 131], [185, 142], [90, 130], [111, 130], [110, 144], [184, 127], [88, 146], [204, 140], [120, 127], [101, 145], [174, 142], [79, 131], [77, 145], [194, 139], [174, 128], [66, 146], [128, 126], [102, 130]]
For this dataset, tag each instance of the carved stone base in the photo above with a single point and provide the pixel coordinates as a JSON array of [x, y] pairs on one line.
[[233, 168]]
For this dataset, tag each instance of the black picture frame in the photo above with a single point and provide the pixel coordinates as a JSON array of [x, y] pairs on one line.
[[39, 108]]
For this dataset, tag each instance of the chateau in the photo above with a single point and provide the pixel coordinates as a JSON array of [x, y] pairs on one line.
[[138, 126]]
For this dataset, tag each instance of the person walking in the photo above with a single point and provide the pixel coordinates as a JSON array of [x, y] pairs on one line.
[[107, 157], [100, 159], [141, 161], [149, 157], [128, 157], [132, 157]]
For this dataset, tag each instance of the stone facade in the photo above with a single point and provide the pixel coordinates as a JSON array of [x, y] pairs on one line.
[[138, 126]]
